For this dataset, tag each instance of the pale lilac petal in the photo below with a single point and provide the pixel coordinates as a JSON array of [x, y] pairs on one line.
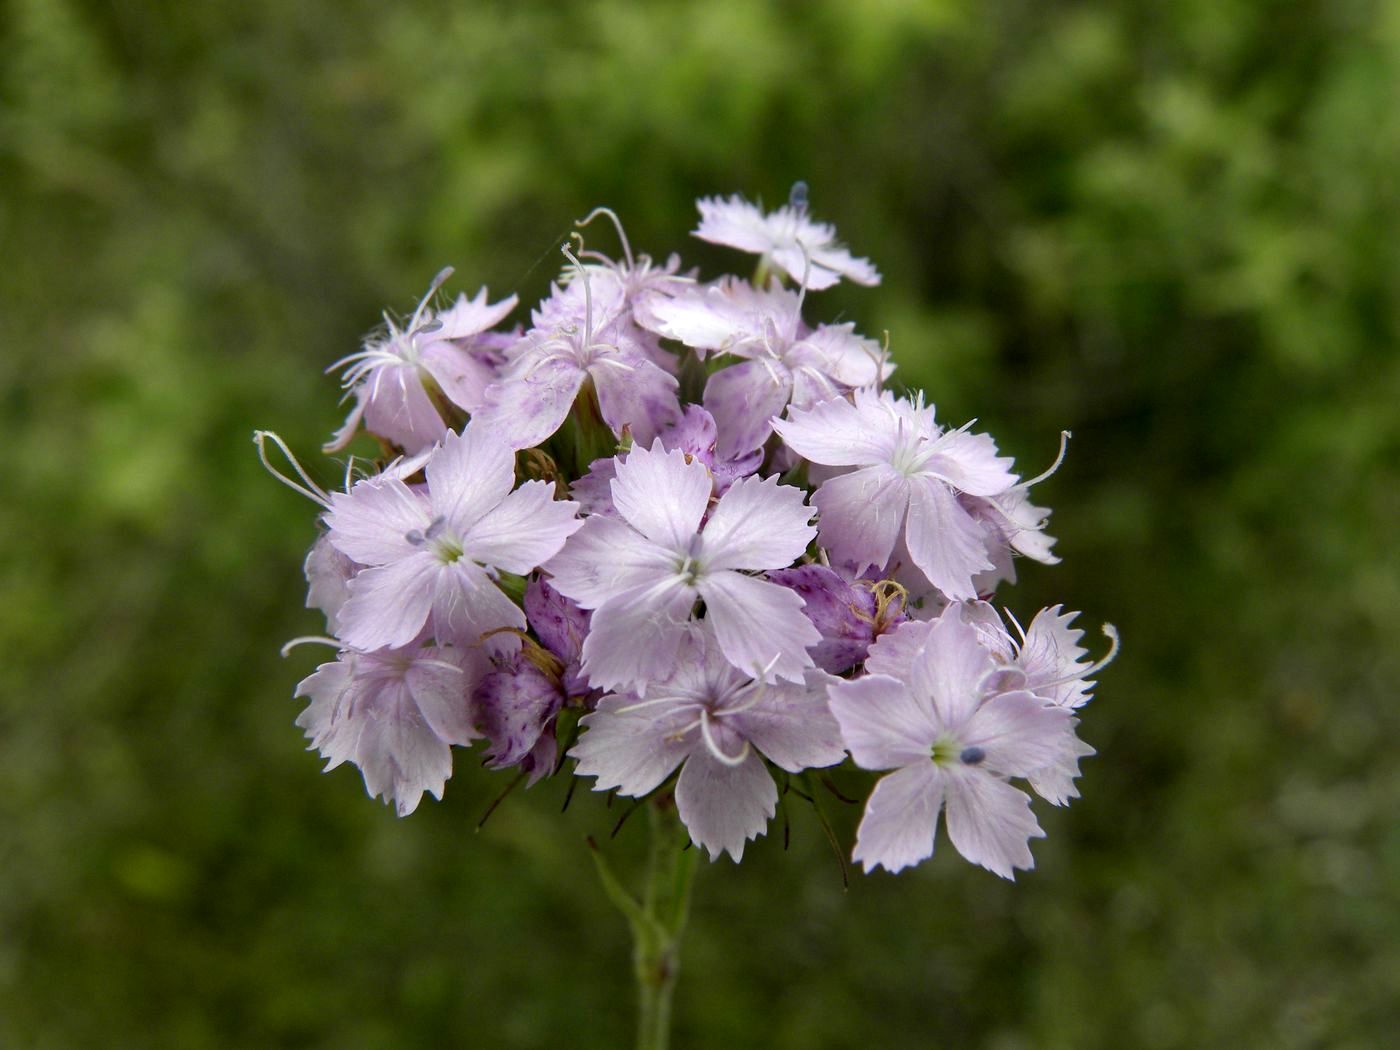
[[1052, 653], [635, 635], [883, 722], [469, 475], [734, 222], [758, 624], [401, 757], [950, 669], [712, 318], [531, 399], [1019, 733], [461, 374], [837, 353], [593, 491], [632, 751], [901, 819], [372, 522], [947, 544], [744, 398], [860, 515], [1055, 782], [991, 631], [604, 558], [662, 495], [723, 806], [894, 653], [791, 724], [636, 394], [839, 434], [398, 409], [468, 317], [524, 530], [441, 684], [758, 524], [328, 574], [467, 604], [990, 822], [389, 604], [969, 462]]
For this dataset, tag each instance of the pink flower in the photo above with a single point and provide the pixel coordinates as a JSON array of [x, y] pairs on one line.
[[805, 250], [908, 479], [788, 362], [432, 553], [718, 725], [951, 745], [394, 713], [394, 377], [642, 572]]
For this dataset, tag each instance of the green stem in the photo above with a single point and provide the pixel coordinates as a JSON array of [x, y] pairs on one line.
[[666, 902]]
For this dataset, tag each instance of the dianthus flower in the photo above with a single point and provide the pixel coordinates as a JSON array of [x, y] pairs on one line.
[[395, 377], [718, 724], [807, 251], [643, 572], [951, 744], [908, 479], [433, 552]]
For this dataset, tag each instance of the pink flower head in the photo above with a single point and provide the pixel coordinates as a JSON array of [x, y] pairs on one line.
[[548, 367], [788, 362], [642, 572], [807, 251], [718, 724], [952, 745], [910, 476], [393, 713], [432, 553], [393, 378]]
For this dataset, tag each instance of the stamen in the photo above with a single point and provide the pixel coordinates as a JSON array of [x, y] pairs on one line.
[[587, 289], [713, 747], [415, 537], [643, 704], [435, 528], [1015, 623], [972, 756], [617, 225], [438, 282], [310, 639], [1111, 633], [1065, 435], [310, 489]]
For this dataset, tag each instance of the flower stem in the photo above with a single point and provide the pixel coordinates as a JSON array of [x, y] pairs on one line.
[[666, 900], [657, 920]]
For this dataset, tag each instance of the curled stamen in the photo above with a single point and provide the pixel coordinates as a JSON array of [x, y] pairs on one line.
[[617, 225], [1065, 435], [310, 639], [1015, 623], [438, 282], [587, 288], [306, 487], [1111, 633], [712, 745]]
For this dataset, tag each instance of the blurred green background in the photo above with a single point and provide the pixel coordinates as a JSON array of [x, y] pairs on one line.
[[1171, 228]]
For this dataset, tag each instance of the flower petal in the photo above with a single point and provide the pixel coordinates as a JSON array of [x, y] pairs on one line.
[[636, 634], [758, 524], [468, 475], [723, 806], [791, 724], [389, 604], [633, 751], [947, 544], [371, 523], [759, 625], [524, 530], [860, 515], [990, 822], [662, 495], [949, 669], [604, 558], [883, 722], [901, 819], [744, 399]]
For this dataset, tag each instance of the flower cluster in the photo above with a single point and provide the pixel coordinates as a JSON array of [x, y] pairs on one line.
[[671, 536]]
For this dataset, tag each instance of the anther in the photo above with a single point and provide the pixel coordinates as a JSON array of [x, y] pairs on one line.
[[971, 756]]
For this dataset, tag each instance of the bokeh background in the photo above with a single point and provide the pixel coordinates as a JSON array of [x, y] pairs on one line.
[[1173, 229]]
